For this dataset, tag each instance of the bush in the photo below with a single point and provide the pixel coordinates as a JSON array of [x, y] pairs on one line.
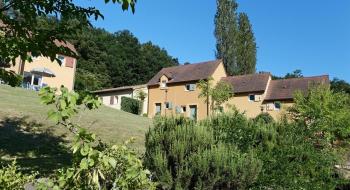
[[264, 117], [131, 105], [10, 78], [261, 155], [12, 178], [186, 155]]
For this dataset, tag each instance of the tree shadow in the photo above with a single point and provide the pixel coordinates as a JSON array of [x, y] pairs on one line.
[[34, 147]]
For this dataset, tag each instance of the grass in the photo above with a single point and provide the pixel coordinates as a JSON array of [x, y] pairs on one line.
[[39, 145]]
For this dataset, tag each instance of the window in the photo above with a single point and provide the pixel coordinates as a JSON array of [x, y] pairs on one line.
[[277, 105], [163, 84], [61, 58], [111, 100], [180, 109], [193, 112], [158, 108], [183, 109], [190, 87], [168, 105], [251, 97]]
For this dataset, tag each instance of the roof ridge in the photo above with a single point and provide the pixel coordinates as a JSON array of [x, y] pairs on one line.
[[300, 78], [192, 64], [247, 75]]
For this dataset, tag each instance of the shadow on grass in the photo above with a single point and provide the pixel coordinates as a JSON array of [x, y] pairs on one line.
[[35, 148]]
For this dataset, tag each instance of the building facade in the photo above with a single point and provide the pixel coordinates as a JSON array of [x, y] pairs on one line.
[[113, 97], [173, 91], [44, 72]]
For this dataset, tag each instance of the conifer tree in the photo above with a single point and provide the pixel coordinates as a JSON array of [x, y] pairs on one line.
[[226, 33], [246, 46]]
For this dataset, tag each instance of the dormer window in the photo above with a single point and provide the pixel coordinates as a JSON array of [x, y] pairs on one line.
[[163, 84], [61, 58]]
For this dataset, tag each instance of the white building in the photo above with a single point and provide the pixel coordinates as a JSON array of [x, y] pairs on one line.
[[112, 97]]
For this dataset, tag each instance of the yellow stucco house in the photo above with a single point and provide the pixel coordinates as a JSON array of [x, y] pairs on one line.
[[173, 91], [44, 72]]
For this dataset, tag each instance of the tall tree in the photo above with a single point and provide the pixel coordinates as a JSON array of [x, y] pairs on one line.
[[246, 46], [226, 33]]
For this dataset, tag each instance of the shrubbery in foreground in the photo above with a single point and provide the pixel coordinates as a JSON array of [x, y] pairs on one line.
[[229, 151]]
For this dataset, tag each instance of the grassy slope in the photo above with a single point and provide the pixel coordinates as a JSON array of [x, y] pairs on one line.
[[25, 132]]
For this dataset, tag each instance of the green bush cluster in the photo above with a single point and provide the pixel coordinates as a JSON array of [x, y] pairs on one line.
[[131, 105], [12, 178], [10, 78], [230, 151]]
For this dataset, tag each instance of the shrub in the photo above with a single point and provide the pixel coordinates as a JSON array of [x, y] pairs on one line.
[[12, 178], [186, 155], [131, 105], [10, 78], [96, 165], [264, 117]]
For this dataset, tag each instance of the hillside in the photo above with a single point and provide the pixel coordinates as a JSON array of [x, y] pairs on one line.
[[37, 143]]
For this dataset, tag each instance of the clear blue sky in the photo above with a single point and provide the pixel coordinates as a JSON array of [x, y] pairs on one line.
[[311, 35]]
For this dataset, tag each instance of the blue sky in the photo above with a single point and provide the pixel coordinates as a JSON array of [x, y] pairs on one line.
[[311, 35]]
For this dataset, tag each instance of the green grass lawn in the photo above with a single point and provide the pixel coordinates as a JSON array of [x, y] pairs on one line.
[[37, 144]]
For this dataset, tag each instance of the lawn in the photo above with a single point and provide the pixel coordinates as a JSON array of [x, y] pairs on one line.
[[37, 144]]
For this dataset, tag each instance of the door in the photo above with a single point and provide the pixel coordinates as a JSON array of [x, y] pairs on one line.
[[158, 108], [193, 112]]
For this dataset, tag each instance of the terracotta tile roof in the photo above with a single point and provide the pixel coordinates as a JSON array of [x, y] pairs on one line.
[[190, 72], [284, 89], [120, 88], [248, 83]]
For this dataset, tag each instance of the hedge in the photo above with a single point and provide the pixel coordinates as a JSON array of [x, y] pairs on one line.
[[131, 105]]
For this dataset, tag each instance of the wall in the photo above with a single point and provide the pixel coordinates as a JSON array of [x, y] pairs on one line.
[[117, 95], [277, 114], [178, 96], [64, 75], [145, 102], [242, 103]]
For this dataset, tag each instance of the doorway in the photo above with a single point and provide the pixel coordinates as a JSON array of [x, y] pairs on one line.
[[193, 112]]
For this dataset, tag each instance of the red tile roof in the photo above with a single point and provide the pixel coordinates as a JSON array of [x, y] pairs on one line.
[[190, 72], [248, 83], [284, 89]]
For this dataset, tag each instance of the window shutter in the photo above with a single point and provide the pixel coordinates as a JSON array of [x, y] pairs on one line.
[[170, 105], [192, 86], [178, 109], [70, 62]]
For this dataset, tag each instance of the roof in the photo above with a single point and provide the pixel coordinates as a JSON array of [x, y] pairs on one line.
[[248, 83], [284, 89], [57, 42], [120, 88], [190, 72]]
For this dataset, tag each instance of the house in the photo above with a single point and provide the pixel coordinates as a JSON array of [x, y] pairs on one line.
[[112, 97], [44, 72], [258, 93], [173, 91]]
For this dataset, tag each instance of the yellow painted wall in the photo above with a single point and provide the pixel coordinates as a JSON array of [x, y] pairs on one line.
[[64, 75], [179, 96]]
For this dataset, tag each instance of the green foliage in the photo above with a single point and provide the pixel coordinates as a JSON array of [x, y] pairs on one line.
[[214, 96], [325, 114], [12, 178], [338, 85], [21, 36], [295, 74], [222, 92], [112, 60], [186, 155], [235, 41], [292, 154], [141, 95], [10, 78], [96, 165], [264, 117], [246, 46], [226, 33], [131, 105]]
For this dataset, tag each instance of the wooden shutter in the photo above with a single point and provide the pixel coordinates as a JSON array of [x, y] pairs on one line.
[[70, 62]]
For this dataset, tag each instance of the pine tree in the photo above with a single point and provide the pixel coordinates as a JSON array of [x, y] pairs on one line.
[[246, 46], [226, 33]]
